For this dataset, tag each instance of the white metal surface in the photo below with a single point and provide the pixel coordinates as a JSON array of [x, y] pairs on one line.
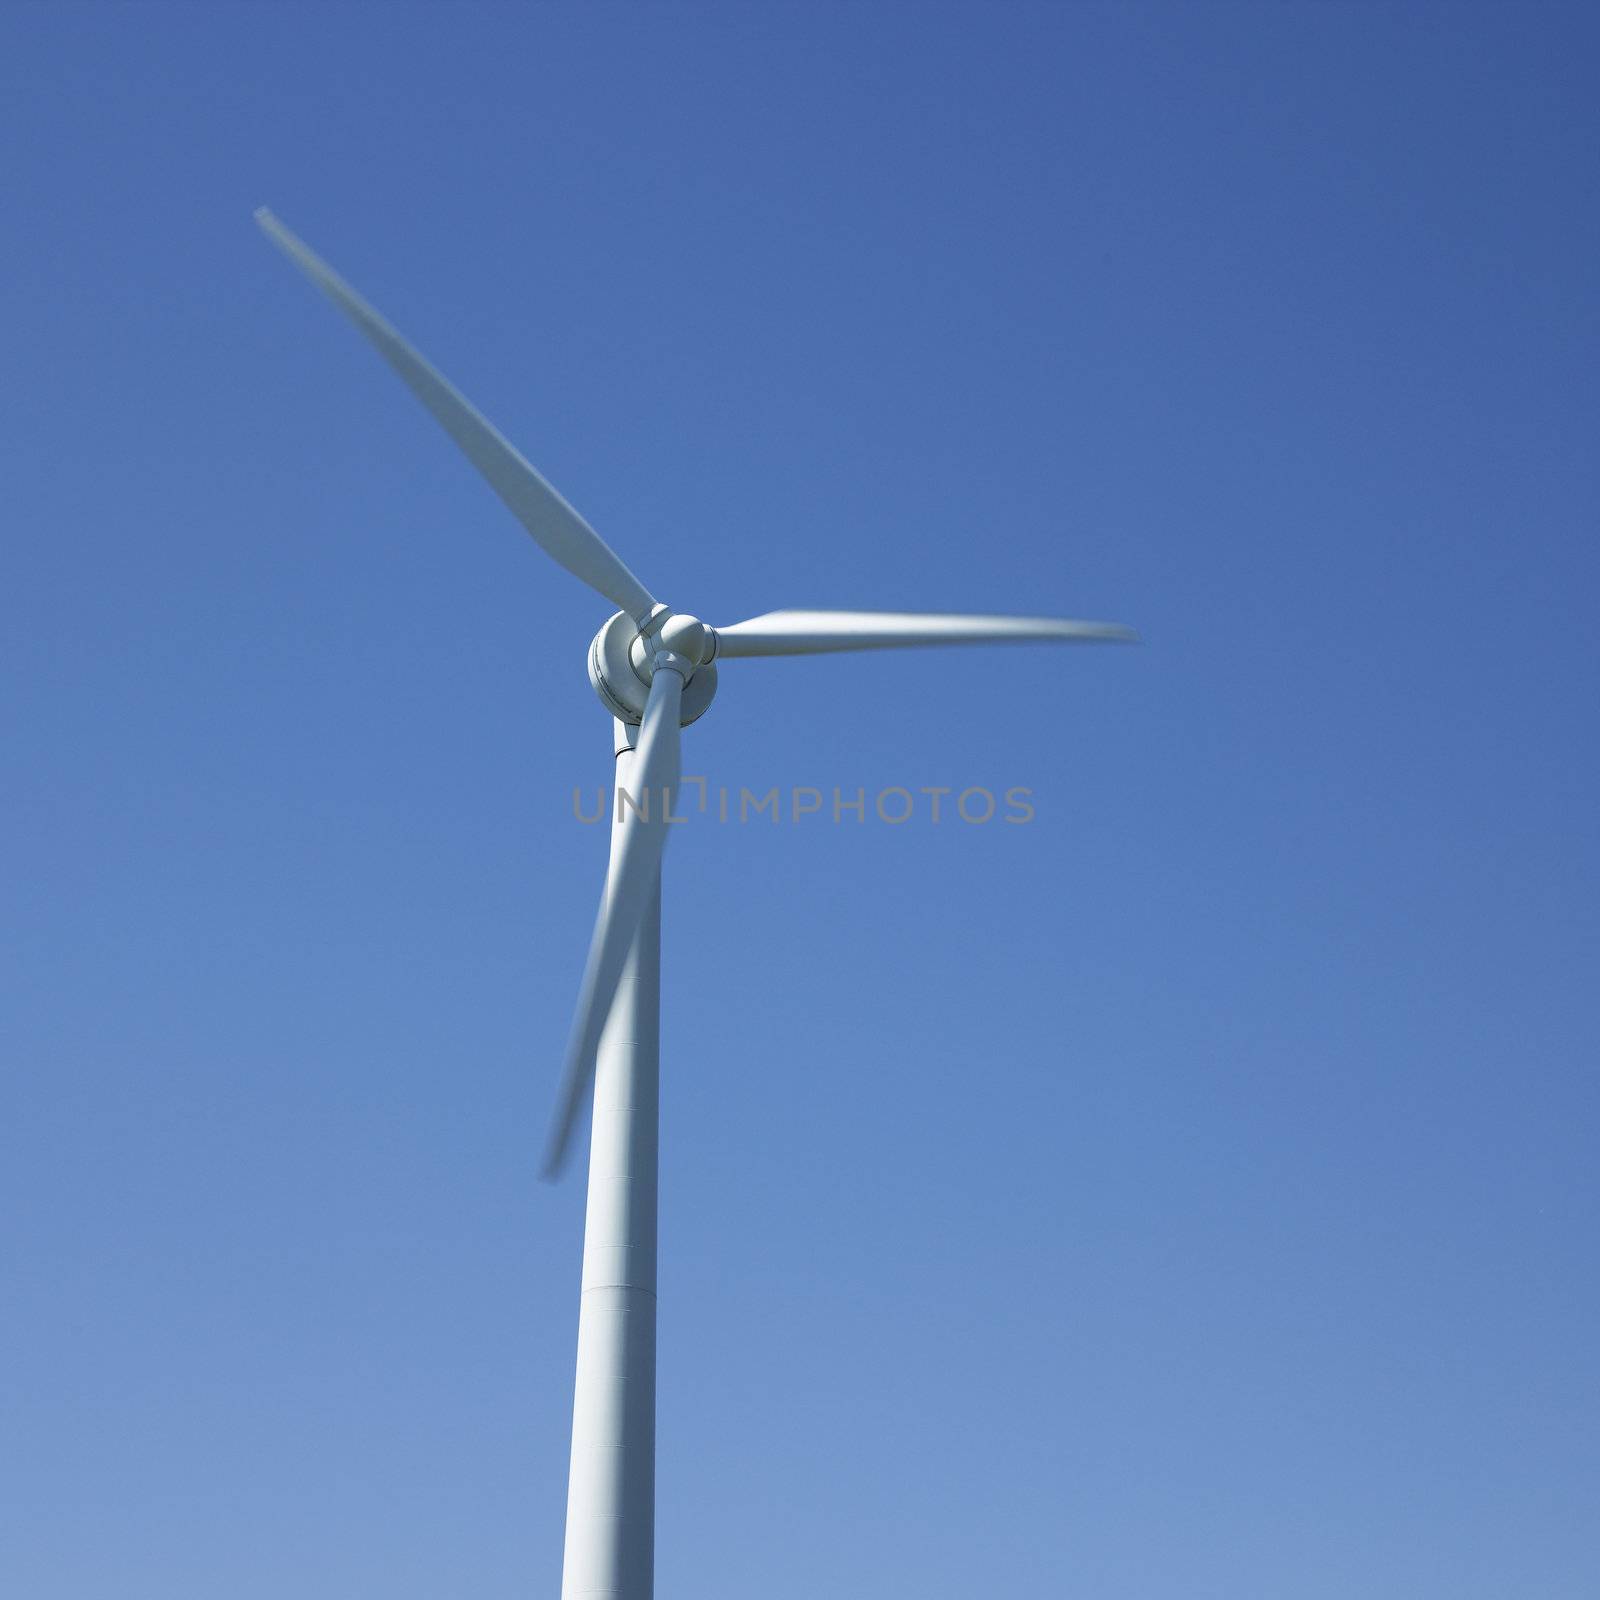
[[804, 633], [610, 1542]]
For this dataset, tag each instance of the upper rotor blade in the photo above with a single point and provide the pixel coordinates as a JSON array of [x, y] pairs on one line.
[[551, 521], [637, 846], [804, 633]]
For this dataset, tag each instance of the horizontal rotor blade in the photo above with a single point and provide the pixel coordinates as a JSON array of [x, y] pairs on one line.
[[637, 847], [555, 526], [805, 633]]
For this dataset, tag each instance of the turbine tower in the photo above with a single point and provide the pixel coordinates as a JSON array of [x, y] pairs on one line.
[[655, 671]]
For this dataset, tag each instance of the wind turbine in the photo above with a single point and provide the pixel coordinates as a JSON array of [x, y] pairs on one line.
[[655, 671]]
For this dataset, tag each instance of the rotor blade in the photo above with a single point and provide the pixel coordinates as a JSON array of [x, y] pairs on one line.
[[637, 846], [552, 522], [806, 633]]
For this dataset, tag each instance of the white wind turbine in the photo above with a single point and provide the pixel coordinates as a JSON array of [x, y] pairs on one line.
[[655, 671]]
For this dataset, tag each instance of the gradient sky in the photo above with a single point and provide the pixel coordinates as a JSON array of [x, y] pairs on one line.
[[1189, 1194]]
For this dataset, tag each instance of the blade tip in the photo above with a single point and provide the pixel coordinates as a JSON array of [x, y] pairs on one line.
[[266, 219]]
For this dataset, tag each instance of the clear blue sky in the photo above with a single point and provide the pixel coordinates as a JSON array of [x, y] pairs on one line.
[[1190, 1194]]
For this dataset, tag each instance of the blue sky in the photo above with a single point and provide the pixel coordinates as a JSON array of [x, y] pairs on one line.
[[1191, 1193]]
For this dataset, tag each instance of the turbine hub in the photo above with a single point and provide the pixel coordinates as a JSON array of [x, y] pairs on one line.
[[622, 662], [685, 636]]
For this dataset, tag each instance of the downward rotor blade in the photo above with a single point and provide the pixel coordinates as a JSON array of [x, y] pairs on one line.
[[805, 633], [553, 523], [637, 846]]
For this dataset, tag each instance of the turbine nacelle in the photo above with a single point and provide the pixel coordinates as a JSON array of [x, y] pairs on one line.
[[625, 656]]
